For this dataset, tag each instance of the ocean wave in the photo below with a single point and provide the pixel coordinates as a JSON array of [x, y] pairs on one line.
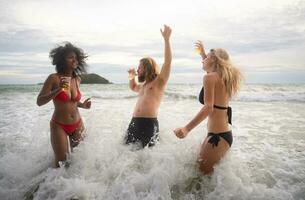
[[249, 93], [273, 96], [113, 97], [175, 95], [101, 167], [244, 96]]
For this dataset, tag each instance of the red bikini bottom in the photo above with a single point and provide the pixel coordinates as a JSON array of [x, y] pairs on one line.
[[68, 128]]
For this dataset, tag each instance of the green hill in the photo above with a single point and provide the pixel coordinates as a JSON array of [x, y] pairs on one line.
[[93, 79]]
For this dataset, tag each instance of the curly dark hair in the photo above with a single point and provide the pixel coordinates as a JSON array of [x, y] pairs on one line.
[[59, 54]]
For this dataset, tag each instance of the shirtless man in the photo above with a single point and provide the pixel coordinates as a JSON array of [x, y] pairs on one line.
[[144, 127]]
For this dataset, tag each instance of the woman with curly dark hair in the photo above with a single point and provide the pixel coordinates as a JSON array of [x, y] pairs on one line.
[[63, 88]]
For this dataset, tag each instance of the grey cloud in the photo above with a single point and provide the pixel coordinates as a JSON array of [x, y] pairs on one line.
[[265, 30], [110, 68], [152, 48], [28, 40], [28, 69], [273, 68], [133, 50], [107, 68]]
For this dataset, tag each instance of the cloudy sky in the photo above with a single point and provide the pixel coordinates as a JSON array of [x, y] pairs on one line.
[[265, 38]]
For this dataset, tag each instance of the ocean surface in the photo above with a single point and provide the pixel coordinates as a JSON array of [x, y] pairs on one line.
[[266, 161]]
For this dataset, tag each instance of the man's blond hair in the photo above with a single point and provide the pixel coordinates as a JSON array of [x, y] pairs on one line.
[[151, 69]]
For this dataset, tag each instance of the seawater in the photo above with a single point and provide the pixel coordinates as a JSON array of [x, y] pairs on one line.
[[266, 161]]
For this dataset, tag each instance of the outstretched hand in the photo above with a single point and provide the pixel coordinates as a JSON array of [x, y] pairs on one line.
[[87, 104], [181, 132], [166, 32]]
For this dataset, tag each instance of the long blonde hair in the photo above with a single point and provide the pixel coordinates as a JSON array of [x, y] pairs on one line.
[[151, 68], [230, 75]]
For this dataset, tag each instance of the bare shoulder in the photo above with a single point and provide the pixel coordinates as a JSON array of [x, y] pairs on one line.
[[52, 78], [51, 82], [210, 77]]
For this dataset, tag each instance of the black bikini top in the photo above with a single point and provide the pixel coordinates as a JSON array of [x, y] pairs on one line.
[[229, 109]]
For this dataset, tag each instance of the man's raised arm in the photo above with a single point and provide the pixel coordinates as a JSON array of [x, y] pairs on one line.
[[165, 71]]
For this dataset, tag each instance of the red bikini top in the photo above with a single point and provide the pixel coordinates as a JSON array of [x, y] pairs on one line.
[[64, 97]]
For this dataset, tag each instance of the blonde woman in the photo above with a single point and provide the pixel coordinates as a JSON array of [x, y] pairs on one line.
[[220, 83]]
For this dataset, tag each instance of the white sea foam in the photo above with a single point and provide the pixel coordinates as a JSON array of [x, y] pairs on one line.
[[266, 161]]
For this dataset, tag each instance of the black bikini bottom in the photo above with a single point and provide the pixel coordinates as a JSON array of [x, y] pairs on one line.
[[227, 136]]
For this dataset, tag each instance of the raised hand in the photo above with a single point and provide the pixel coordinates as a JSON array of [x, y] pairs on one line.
[[166, 32], [200, 49]]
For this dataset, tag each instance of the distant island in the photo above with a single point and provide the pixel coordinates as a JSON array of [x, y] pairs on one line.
[[93, 79]]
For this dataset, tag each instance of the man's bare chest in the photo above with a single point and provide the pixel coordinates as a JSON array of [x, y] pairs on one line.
[[148, 91]]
